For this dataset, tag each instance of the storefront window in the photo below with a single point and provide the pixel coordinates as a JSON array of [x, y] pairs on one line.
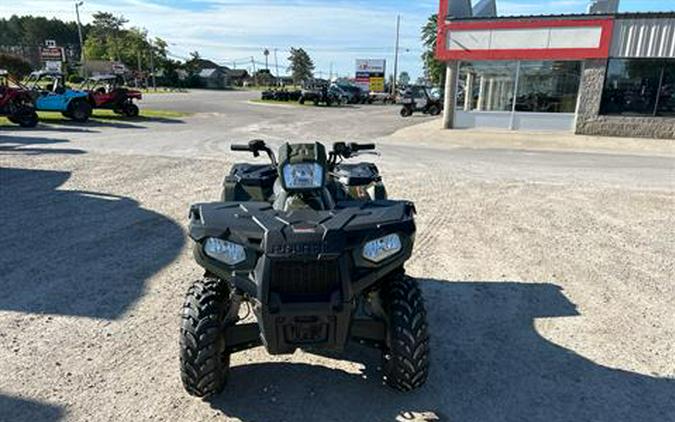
[[543, 86], [548, 86], [638, 87], [667, 97], [630, 87], [486, 86]]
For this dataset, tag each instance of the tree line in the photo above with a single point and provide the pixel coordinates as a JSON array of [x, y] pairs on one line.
[[108, 38]]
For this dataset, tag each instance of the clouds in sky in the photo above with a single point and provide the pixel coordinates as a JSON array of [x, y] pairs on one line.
[[337, 31]]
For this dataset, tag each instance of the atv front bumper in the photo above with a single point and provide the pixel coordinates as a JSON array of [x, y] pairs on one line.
[[285, 323]]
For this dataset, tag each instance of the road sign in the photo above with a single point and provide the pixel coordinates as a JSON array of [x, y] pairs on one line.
[[52, 54], [119, 69], [54, 66], [370, 74]]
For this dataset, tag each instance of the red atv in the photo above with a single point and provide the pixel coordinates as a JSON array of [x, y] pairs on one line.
[[16, 102], [108, 91]]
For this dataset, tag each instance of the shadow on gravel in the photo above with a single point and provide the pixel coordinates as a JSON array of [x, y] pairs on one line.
[[25, 145], [93, 123], [488, 364], [20, 410], [76, 253], [44, 128], [118, 122]]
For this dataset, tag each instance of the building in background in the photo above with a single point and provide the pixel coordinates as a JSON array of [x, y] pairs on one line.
[[215, 78], [598, 74]]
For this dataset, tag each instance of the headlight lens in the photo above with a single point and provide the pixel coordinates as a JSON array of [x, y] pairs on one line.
[[303, 176], [224, 251], [380, 249]]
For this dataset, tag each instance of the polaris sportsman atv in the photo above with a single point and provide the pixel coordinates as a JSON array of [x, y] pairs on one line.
[[315, 250]]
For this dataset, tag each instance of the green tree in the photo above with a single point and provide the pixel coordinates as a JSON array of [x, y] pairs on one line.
[[404, 78], [432, 67], [105, 40], [302, 66], [14, 65]]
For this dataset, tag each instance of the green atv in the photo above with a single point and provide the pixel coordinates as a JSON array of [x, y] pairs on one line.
[[316, 250]]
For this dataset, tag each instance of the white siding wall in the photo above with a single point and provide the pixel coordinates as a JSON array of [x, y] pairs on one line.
[[526, 38], [643, 38]]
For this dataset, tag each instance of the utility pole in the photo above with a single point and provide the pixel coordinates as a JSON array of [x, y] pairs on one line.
[[276, 63], [398, 37], [79, 33], [152, 66], [138, 58], [266, 52], [255, 74], [330, 78]]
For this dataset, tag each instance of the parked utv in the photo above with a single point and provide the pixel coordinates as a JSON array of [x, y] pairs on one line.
[[419, 98], [109, 92], [353, 94], [53, 95], [322, 94], [16, 102], [381, 97], [312, 247]]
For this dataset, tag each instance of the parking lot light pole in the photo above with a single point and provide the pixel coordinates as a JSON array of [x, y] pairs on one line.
[[79, 33], [276, 64], [398, 36], [152, 65]]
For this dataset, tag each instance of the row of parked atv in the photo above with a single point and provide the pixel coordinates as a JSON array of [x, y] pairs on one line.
[[333, 94], [413, 99], [47, 91]]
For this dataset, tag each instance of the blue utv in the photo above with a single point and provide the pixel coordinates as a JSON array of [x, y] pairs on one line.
[[52, 94]]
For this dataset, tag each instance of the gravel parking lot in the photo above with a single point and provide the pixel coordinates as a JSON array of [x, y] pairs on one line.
[[548, 273]]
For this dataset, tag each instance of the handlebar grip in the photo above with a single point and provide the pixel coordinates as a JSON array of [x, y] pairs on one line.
[[235, 147], [365, 147]]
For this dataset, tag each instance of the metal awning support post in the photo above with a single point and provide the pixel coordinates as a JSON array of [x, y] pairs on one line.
[[512, 122]]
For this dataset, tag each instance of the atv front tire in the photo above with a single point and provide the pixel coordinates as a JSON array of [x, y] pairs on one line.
[[406, 112], [79, 111], [406, 359], [27, 120], [204, 364], [434, 110], [131, 110]]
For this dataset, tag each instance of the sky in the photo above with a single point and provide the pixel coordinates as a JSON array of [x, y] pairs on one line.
[[334, 33]]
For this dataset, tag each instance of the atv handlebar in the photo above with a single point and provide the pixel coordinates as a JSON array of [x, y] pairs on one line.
[[362, 147], [238, 147], [256, 146], [347, 150]]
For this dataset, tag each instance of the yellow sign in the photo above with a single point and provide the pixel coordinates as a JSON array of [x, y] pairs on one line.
[[376, 84]]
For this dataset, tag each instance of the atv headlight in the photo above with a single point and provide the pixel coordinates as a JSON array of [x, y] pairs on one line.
[[380, 249], [224, 251], [303, 176]]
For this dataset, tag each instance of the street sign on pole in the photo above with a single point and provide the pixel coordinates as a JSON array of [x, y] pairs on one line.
[[370, 74]]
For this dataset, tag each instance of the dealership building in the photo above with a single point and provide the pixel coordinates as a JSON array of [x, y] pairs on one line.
[[607, 74]]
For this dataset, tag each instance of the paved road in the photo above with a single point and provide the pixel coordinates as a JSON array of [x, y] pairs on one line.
[[224, 118], [547, 274]]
